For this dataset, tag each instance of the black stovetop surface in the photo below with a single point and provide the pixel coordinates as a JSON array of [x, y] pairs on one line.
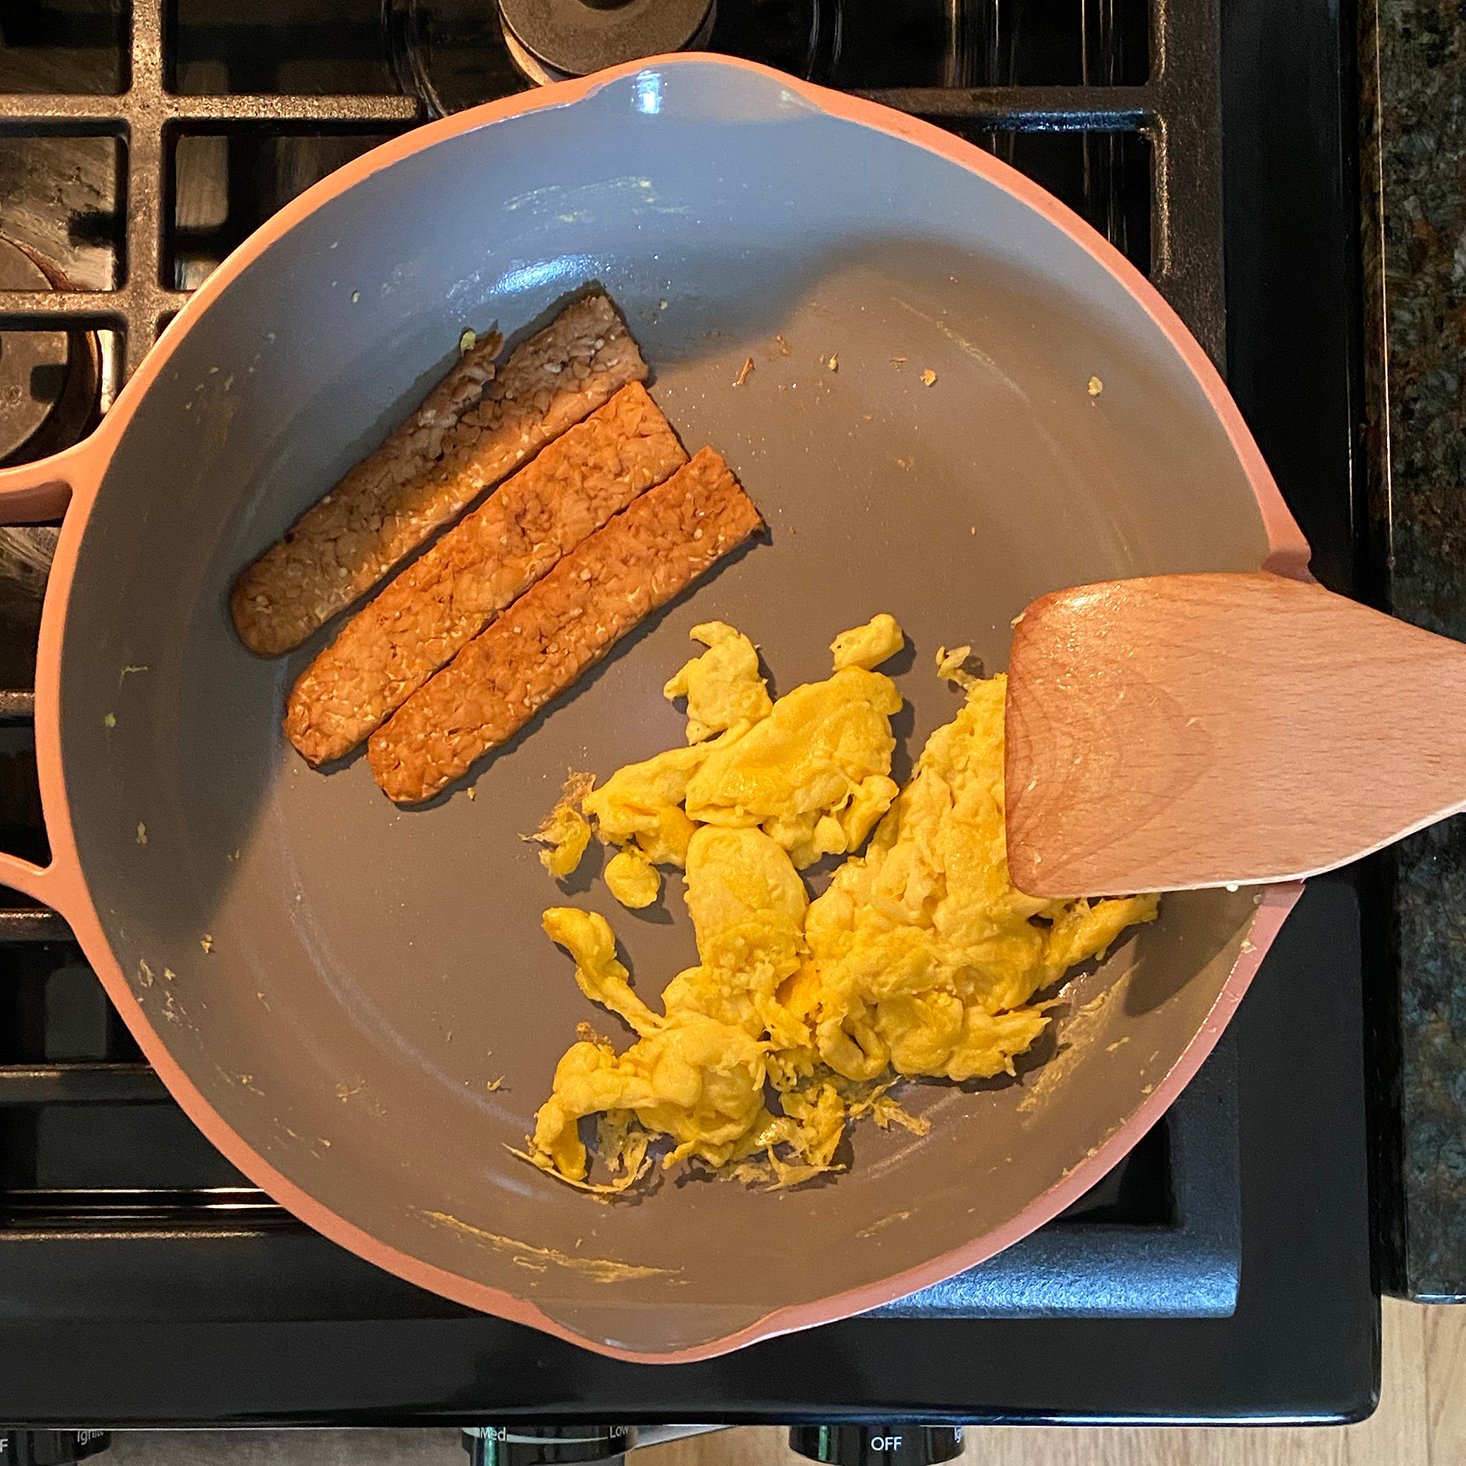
[[1222, 1271]]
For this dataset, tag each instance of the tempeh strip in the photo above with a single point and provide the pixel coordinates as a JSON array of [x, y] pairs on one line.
[[562, 626], [445, 598], [274, 600], [271, 599], [393, 501]]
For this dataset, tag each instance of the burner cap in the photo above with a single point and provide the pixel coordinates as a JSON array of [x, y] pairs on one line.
[[577, 37], [33, 364]]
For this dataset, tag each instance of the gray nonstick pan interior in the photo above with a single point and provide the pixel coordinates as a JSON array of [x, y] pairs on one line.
[[371, 971]]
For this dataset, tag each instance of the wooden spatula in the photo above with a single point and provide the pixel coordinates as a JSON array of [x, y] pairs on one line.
[[1203, 730]]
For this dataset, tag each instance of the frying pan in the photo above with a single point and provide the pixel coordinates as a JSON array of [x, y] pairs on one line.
[[329, 985]]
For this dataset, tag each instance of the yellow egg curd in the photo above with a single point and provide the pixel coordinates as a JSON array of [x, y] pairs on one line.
[[920, 957]]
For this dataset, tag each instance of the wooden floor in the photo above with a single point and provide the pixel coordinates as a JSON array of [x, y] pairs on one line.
[[1421, 1422]]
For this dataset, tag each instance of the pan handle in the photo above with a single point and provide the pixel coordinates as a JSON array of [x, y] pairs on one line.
[[32, 493], [40, 882]]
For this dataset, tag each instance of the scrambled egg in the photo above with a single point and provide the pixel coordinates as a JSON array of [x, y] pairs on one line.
[[632, 879], [928, 956], [952, 666], [723, 686], [815, 775], [868, 646], [565, 832], [813, 770], [640, 806], [919, 959]]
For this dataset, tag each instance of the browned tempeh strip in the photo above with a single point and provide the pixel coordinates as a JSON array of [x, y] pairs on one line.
[[394, 500], [562, 626], [445, 598]]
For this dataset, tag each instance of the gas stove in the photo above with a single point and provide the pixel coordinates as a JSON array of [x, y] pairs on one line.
[[1221, 1272]]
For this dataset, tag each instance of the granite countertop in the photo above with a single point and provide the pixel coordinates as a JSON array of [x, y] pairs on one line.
[[1413, 86]]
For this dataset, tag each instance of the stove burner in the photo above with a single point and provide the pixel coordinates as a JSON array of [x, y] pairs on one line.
[[48, 379], [553, 39]]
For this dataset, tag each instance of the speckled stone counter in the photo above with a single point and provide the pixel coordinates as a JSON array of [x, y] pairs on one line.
[[1413, 85]]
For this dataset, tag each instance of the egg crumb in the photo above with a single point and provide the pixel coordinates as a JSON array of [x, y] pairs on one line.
[[928, 377], [952, 666], [868, 646], [564, 832], [1095, 386], [632, 879]]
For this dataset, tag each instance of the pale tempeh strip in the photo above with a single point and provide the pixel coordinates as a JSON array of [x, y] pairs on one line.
[[393, 501], [274, 601], [445, 598], [561, 627]]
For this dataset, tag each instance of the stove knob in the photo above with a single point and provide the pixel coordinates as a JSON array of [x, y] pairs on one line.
[[877, 1445], [544, 1445], [50, 1447]]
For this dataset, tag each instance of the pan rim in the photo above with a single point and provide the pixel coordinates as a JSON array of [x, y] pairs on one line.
[[64, 884]]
